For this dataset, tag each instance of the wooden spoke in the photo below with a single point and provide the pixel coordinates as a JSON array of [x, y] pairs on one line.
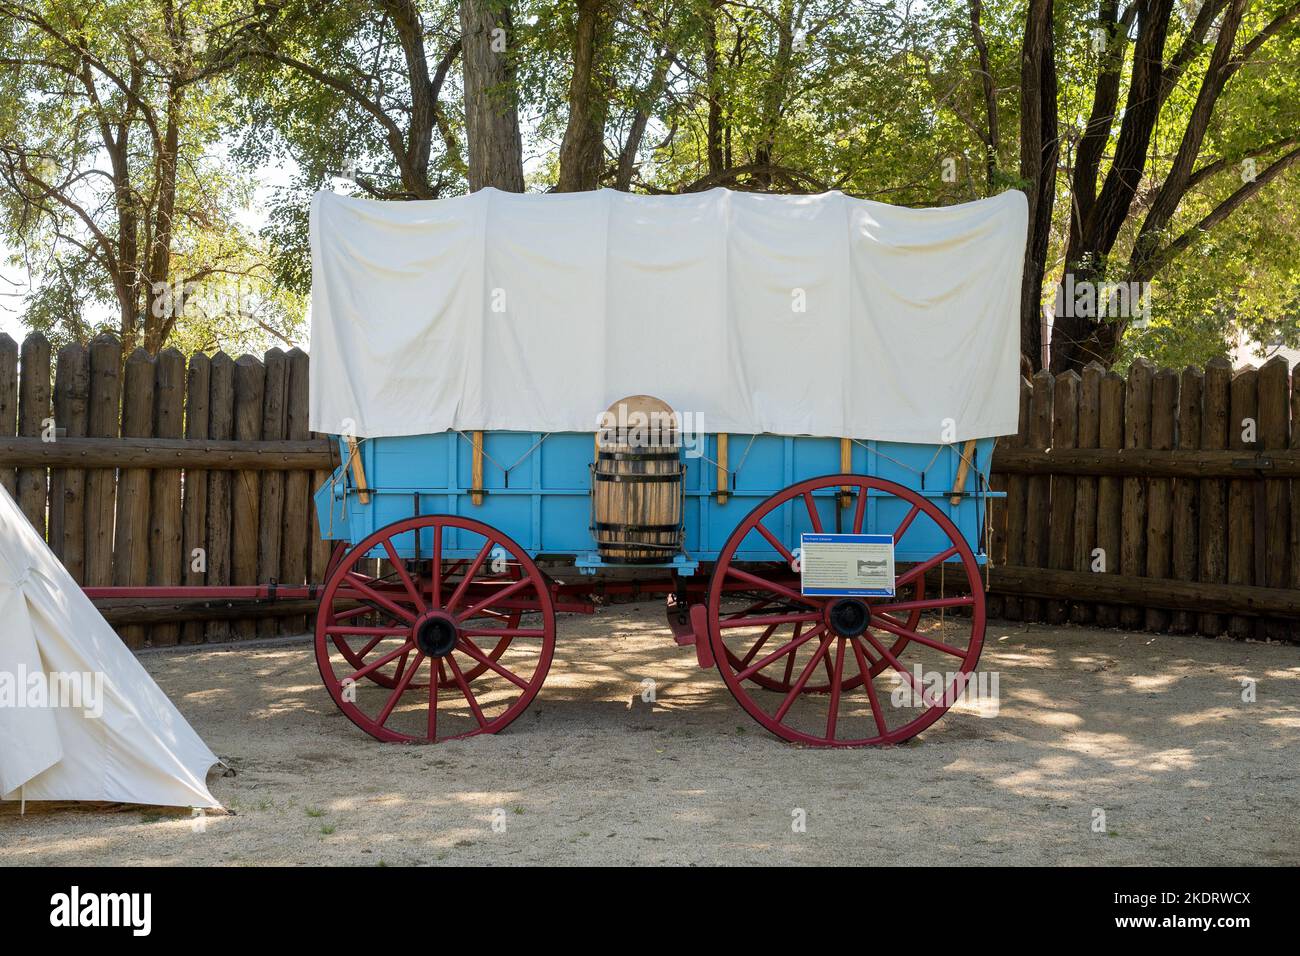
[[459, 593], [399, 567], [492, 599], [888, 625], [812, 512], [468, 647], [359, 583], [836, 678], [771, 619], [464, 689], [903, 671], [780, 652], [775, 542], [918, 570], [906, 523], [400, 689], [381, 661], [791, 697], [865, 670], [772, 586]]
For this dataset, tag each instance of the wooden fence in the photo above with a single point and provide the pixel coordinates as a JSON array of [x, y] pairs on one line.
[[204, 482], [1164, 500]]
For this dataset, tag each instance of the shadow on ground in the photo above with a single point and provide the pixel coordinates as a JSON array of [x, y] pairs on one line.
[[1151, 731]]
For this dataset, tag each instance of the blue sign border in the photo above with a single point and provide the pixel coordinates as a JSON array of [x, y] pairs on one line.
[[817, 538]]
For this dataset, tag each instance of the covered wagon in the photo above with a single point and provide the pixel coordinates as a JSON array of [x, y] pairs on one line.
[[776, 411]]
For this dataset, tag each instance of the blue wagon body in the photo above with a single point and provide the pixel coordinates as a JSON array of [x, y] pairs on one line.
[[537, 491]]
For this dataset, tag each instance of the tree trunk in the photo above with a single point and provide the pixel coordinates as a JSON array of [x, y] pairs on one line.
[[711, 82], [774, 91], [159, 319], [627, 157], [1039, 147], [1079, 339], [990, 95], [496, 155], [582, 151], [413, 161]]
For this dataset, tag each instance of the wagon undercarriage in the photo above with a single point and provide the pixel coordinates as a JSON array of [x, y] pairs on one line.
[[415, 647]]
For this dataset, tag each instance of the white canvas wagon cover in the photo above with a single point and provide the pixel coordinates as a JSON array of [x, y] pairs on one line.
[[798, 315]]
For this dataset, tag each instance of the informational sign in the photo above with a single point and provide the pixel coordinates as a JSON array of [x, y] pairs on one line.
[[849, 565]]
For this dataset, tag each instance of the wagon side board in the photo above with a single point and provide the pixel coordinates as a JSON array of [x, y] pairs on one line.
[[536, 489]]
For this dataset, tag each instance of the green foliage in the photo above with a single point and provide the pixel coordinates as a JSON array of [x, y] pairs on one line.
[[883, 100], [90, 97]]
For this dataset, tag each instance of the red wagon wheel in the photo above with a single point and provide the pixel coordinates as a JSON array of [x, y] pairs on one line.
[[446, 628], [389, 585], [886, 678]]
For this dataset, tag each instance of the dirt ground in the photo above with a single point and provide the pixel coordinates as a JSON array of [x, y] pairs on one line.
[[1151, 730]]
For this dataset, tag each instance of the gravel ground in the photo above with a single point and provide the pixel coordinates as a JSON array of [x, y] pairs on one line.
[[1151, 730]]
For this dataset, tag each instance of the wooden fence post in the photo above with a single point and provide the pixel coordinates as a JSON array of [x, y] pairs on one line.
[[101, 483], [1295, 489], [1243, 423], [296, 534], [68, 485], [1110, 494], [270, 528], [1017, 502], [1133, 533], [1038, 500], [1274, 435], [8, 404], [1160, 491], [33, 410], [1213, 525], [1186, 541], [165, 562], [221, 425], [250, 392], [131, 538], [1085, 514], [194, 511], [1065, 434]]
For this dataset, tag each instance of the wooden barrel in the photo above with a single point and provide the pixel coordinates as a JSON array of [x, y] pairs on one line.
[[637, 483]]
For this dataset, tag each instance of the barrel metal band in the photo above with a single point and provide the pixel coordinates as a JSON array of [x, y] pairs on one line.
[[669, 455], [639, 479], [603, 546], [612, 526]]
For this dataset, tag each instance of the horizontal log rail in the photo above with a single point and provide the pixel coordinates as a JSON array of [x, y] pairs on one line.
[[1148, 463], [317, 454], [1145, 592], [118, 614]]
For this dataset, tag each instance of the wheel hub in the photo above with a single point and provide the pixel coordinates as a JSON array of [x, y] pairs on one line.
[[436, 634], [849, 616]]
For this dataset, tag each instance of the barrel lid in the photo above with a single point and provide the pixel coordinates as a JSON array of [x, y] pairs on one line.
[[638, 421]]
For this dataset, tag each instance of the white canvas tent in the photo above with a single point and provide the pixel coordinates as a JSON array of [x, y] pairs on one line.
[[80, 719]]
